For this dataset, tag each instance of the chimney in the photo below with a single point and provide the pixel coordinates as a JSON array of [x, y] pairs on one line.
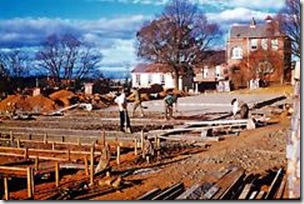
[[253, 23], [268, 19]]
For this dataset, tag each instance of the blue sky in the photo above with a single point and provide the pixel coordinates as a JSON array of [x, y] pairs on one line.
[[110, 24]]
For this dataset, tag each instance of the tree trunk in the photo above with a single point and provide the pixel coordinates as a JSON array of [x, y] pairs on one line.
[[176, 80]]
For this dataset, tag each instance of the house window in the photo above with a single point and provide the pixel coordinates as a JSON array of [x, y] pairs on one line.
[[137, 79], [275, 44], [254, 44], [162, 79], [149, 78], [237, 53], [265, 44]]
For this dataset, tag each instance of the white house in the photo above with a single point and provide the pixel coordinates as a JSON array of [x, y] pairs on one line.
[[144, 75]]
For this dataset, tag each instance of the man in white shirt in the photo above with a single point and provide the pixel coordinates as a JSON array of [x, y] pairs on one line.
[[121, 101]]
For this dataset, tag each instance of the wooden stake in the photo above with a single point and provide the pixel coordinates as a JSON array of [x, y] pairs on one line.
[[33, 182], [45, 138], [142, 140], [118, 155], [92, 166], [155, 140], [53, 145], [26, 153], [18, 143], [56, 174], [37, 163], [86, 165], [148, 159], [103, 138], [135, 146], [68, 155], [11, 136], [6, 191], [29, 182], [62, 139], [30, 136], [79, 141], [158, 143]]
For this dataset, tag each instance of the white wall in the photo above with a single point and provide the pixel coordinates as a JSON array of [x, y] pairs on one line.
[[155, 79]]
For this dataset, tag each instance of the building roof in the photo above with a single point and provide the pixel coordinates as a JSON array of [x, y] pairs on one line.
[[151, 68], [254, 31], [214, 57]]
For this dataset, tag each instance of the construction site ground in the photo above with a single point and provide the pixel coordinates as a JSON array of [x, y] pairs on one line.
[[259, 151]]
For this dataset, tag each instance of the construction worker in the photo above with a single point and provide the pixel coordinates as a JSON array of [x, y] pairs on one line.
[[169, 100], [123, 112], [240, 107], [137, 103]]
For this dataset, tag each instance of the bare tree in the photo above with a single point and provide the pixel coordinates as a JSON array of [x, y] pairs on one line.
[[290, 24], [66, 57], [177, 38], [14, 63]]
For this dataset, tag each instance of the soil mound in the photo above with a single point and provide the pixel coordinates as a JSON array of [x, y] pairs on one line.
[[40, 104], [62, 97], [13, 102]]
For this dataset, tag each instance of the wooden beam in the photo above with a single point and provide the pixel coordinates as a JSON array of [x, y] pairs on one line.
[[135, 147], [218, 122], [56, 174], [118, 155], [86, 165], [245, 193], [274, 185], [211, 192], [29, 182], [37, 163], [253, 195], [92, 166], [185, 195], [280, 192], [261, 195], [6, 190], [149, 195]]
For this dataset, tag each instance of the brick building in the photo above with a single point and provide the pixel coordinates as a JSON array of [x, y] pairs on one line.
[[258, 51]]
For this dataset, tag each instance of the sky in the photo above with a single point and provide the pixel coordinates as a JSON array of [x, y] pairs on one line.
[[110, 24]]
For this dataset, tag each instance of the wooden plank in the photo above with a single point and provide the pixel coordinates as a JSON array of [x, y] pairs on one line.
[[6, 190], [274, 185], [245, 193], [280, 192], [261, 195], [189, 191], [92, 166], [189, 129], [232, 188], [217, 122], [9, 168], [34, 156], [211, 192], [57, 174], [150, 194], [29, 183], [253, 195], [48, 151], [166, 194], [226, 181]]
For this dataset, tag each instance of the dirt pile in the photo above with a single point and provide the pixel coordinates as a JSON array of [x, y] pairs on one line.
[[36, 104], [40, 104], [13, 102], [63, 97]]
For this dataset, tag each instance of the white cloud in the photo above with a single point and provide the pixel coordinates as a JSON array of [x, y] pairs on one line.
[[237, 15]]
